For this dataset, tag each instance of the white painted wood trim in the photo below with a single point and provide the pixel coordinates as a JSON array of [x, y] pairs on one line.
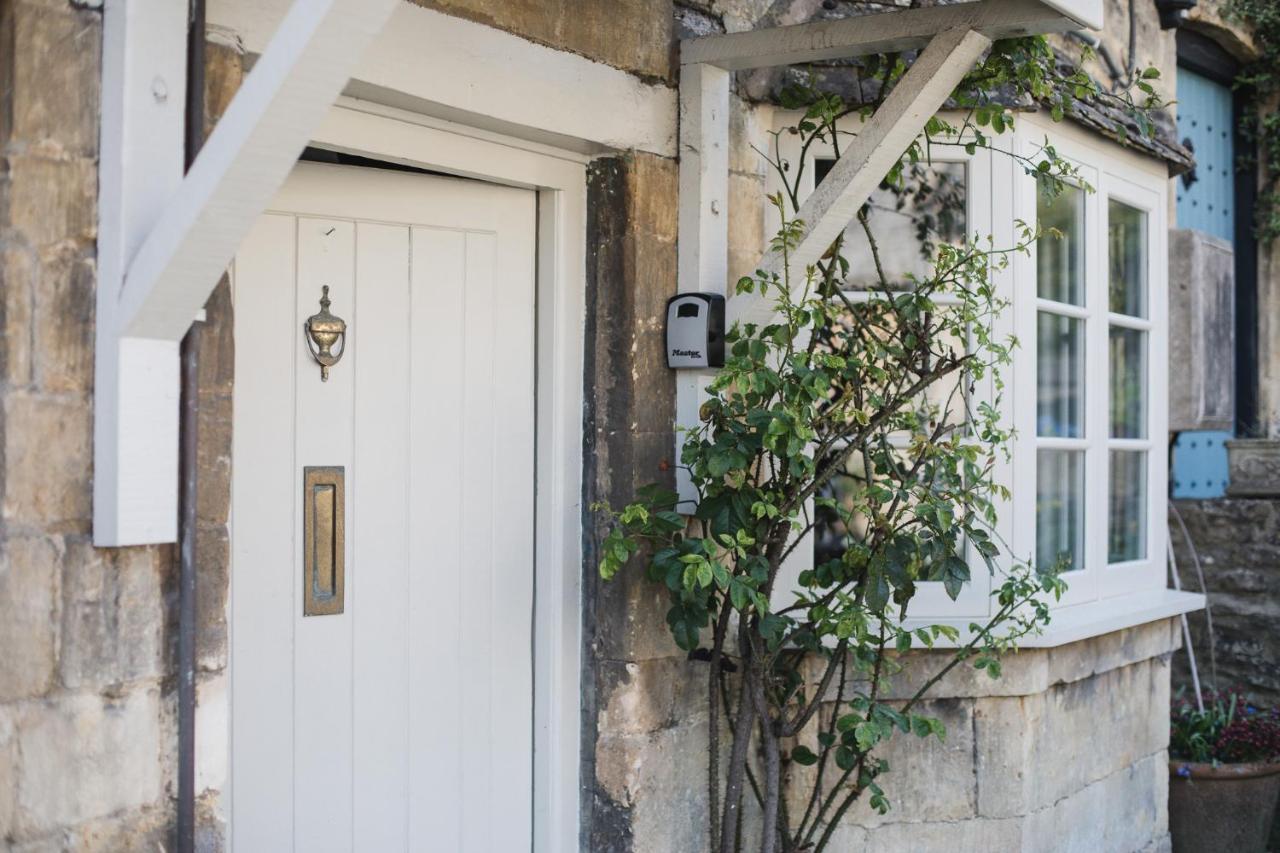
[[562, 215], [166, 238], [510, 85], [1073, 624], [135, 441], [881, 141], [245, 161], [703, 247], [886, 32]]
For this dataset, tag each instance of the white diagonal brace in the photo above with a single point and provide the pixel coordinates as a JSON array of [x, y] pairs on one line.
[[887, 32], [165, 238], [252, 149], [869, 157]]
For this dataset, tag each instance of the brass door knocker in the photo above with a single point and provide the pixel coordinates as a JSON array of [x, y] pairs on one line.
[[323, 331]]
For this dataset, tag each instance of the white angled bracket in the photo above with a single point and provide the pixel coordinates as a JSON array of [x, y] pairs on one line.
[[165, 238], [951, 37]]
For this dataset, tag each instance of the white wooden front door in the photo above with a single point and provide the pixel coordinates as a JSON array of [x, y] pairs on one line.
[[404, 722]]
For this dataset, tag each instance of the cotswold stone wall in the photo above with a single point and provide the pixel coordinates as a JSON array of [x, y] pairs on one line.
[[88, 740], [644, 720], [1238, 542], [1065, 752]]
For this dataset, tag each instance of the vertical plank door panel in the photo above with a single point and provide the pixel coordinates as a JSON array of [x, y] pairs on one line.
[[263, 599], [379, 488], [322, 652]]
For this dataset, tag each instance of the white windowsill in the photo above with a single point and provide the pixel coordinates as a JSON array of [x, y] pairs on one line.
[[1089, 619]]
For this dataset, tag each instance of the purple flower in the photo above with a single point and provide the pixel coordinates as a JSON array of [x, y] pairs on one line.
[[1184, 771]]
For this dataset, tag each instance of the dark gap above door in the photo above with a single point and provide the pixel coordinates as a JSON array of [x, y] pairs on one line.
[[337, 158]]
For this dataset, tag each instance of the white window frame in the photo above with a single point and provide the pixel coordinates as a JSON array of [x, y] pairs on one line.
[[1100, 597], [931, 601], [1116, 173]]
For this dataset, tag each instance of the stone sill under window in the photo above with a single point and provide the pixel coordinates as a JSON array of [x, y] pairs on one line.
[[1091, 619]]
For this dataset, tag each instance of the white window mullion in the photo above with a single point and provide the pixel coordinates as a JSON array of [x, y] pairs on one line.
[[1097, 391]]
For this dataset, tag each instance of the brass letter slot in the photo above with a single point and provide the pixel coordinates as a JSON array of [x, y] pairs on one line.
[[324, 540]]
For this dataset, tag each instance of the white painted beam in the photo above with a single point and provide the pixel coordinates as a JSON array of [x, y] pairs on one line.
[[247, 158], [135, 438], [510, 85], [703, 247], [887, 31], [165, 239], [870, 155]]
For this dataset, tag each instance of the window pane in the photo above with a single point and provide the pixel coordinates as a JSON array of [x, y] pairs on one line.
[[1060, 257], [1059, 376], [1128, 383], [908, 223], [1059, 508], [1127, 530], [1127, 250]]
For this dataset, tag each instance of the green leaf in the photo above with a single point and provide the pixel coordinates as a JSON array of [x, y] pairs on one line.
[[955, 575], [867, 735], [804, 756]]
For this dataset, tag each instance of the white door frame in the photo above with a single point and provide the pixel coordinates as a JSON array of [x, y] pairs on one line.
[[559, 178]]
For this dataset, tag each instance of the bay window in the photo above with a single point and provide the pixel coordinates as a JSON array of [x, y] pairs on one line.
[[1086, 393]]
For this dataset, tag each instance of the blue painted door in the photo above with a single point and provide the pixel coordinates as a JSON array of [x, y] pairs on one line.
[[1206, 202], [1204, 121]]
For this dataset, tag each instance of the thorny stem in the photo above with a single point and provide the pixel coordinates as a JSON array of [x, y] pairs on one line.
[[713, 722], [738, 756]]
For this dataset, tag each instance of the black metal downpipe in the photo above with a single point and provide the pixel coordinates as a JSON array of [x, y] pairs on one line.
[[188, 442]]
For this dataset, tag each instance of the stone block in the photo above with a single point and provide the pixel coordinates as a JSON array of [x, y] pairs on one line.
[[634, 35], [142, 830], [213, 459], [48, 457], [1035, 750], [211, 824], [17, 280], [1023, 673], [223, 73], [1076, 661], [217, 342], [631, 615], [28, 629], [55, 78], [1254, 467], [213, 563], [213, 749], [85, 757], [928, 777], [1238, 542], [53, 200], [653, 188], [644, 776], [749, 139], [1201, 331], [969, 836], [113, 616], [746, 226], [64, 312], [1124, 811], [637, 697]]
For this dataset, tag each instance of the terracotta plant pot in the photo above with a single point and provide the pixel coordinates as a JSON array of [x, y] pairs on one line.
[[1228, 807]]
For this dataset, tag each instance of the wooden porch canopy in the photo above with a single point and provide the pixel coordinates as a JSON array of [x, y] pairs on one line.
[[165, 238]]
